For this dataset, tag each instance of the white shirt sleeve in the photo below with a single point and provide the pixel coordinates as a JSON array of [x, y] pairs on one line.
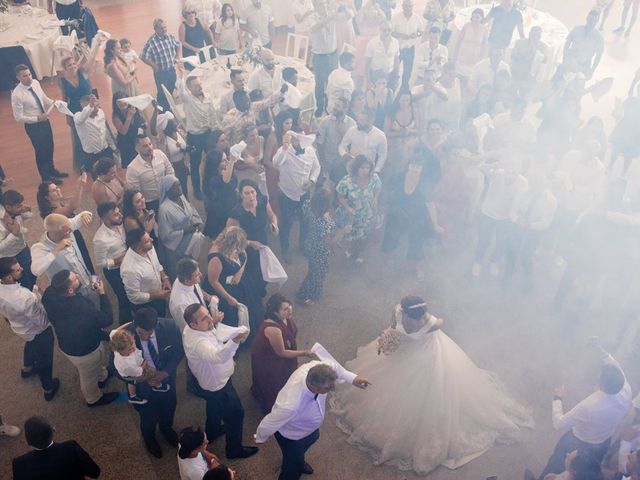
[[565, 421], [41, 259], [131, 281], [207, 351], [273, 422]]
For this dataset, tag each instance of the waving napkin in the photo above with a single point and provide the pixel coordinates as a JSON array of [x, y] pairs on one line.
[[139, 101]]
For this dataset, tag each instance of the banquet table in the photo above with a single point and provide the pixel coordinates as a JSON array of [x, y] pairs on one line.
[[214, 76], [30, 29]]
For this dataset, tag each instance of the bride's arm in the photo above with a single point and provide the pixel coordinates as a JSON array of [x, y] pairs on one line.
[[436, 323]]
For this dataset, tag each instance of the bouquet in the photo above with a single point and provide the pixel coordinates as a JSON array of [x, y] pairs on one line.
[[389, 341]]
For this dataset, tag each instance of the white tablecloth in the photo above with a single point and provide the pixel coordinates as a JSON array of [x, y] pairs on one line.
[[216, 83], [27, 27]]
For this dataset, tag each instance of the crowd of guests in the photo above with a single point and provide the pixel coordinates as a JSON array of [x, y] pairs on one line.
[[416, 132]]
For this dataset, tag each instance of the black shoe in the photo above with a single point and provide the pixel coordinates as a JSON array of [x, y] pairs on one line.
[[105, 399], [153, 448], [244, 452], [307, 469], [59, 174], [28, 373], [171, 437], [49, 394], [104, 382]]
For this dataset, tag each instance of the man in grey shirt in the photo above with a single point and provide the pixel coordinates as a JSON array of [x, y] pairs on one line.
[[585, 45], [331, 130]]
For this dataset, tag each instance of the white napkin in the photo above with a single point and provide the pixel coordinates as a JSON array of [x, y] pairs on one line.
[[139, 101], [226, 333], [63, 107], [237, 149], [292, 96], [305, 140]]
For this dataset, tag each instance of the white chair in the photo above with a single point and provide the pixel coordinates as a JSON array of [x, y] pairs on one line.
[[66, 46], [177, 110], [300, 44], [206, 54]]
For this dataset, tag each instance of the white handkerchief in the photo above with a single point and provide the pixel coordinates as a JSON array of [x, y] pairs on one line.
[[237, 149], [140, 101], [226, 333], [292, 96], [107, 35], [322, 353], [63, 107]]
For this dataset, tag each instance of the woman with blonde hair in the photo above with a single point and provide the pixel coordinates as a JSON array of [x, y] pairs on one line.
[[227, 279]]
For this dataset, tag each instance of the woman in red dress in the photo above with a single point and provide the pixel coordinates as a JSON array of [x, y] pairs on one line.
[[274, 356]]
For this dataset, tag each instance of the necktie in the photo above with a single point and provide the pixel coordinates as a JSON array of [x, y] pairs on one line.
[[195, 290], [153, 353], [37, 98]]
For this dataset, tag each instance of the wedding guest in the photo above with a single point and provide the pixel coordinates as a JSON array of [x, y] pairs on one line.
[[283, 122], [340, 84], [161, 345], [624, 135], [299, 171], [226, 278], [331, 131], [527, 57], [122, 78], [169, 137], [322, 235], [146, 170], [129, 124], [211, 361], [504, 18], [407, 26], [238, 82], [221, 472], [379, 98], [160, 52], [193, 35], [633, 5], [590, 424], [299, 410], [49, 459], [365, 139], [78, 325], [186, 290], [144, 279], [257, 21], [109, 248], [471, 44], [129, 54], [93, 132], [178, 222], [274, 354], [585, 45], [268, 76], [401, 128], [66, 9], [368, 20], [13, 213], [136, 215], [439, 12], [485, 70], [107, 187], [201, 117], [194, 460], [250, 162], [357, 104], [382, 55], [31, 106], [431, 54], [220, 184], [28, 320], [226, 32], [302, 11], [206, 10]]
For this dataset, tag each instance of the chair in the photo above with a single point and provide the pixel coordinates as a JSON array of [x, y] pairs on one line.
[[206, 54], [66, 46], [177, 110], [300, 44]]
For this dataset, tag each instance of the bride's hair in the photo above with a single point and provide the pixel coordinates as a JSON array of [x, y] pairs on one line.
[[415, 307]]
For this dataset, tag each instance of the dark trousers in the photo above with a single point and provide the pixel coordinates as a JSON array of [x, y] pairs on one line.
[[293, 454], [90, 159], [224, 405], [289, 211], [406, 57], [323, 65], [38, 354], [124, 305], [168, 79], [197, 144], [567, 444], [41, 138], [158, 411], [28, 279]]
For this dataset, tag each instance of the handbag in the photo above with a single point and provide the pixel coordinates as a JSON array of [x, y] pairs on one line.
[[272, 270]]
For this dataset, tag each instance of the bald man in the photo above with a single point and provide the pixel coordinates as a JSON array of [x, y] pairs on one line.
[[267, 78]]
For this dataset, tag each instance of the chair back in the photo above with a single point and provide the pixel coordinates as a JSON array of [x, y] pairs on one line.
[[178, 112], [297, 46]]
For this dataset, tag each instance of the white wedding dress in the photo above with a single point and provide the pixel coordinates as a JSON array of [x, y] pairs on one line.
[[428, 405]]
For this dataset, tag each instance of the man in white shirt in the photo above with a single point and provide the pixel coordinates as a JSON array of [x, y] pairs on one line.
[[299, 170], [365, 139], [382, 55], [207, 11], [268, 77], [91, 126], [431, 55], [145, 171], [143, 277], [211, 361], [257, 20], [238, 82], [485, 70], [590, 424], [299, 410], [186, 290], [13, 213], [331, 131], [340, 84], [109, 248], [28, 320], [201, 118], [407, 27], [32, 106]]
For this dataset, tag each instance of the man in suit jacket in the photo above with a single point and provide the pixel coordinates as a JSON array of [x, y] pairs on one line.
[[50, 460], [161, 344]]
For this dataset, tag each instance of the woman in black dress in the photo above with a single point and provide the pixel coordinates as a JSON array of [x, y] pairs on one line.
[[193, 36], [252, 214], [226, 278], [128, 121], [219, 184]]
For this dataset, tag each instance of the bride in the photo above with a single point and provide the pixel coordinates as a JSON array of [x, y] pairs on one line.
[[434, 406]]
